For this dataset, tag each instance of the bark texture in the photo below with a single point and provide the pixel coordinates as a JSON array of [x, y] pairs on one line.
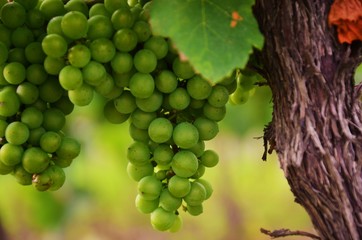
[[316, 128]]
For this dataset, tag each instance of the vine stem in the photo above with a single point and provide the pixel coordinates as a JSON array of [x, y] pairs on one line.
[[286, 232]]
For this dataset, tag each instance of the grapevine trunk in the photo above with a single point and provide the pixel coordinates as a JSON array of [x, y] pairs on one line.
[[316, 126]]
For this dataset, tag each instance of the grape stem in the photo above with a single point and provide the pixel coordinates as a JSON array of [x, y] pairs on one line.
[[286, 232]]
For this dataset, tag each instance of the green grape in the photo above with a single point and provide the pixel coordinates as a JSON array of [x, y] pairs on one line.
[[142, 30], [4, 169], [99, 26], [179, 99], [184, 163], [122, 18], [214, 113], [40, 104], [52, 8], [5, 35], [185, 135], [53, 119], [17, 133], [62, 162], [161, 174], [208, 129], [51, 91], [81, 96], [150, 104], [163, 155], [198, 87], [34, 136], [35, 19], [113, 5], [3, 53], [240, 96], [125, 103], [28, 4], [107, 86], [17, 55], [9, 102], [125, 39], [198, 148], [141, 85], [21, 37], [54, 45], [122, 79], [14, 73], [122, 62], [142, 119], [166, 81], [4, 124], [196, 195], [54, 26], [145, 61], [160, 130], [79, 55], [199, 172], [35, 160], [77, 5], [161, 219], [69, 148], [28, 93], [168, 202], [11, 154], [182, 69], [158, 45], [74, 25], [42, 181], [22, 176], [93, 73], [138, 134], [207, 186], [53, 65], [34, 53], [138, 153], [13, 15], [70, 77], [57, 176], [209, 158], [112, 115], [195, 210], [149, 187], [50, 141], [64, 105], [145, 206], [32, 117], [99, 9], [219, 96], [102, 50], [177, 225], [137, 172], [114, 92], [3, 82]]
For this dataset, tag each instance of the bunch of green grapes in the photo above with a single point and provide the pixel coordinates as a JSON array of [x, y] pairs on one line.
[[33, 105]]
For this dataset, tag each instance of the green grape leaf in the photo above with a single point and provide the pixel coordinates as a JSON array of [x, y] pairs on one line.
[[216, 36]]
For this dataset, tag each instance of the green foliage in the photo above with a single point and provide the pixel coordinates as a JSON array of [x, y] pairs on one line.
[[214, 36]]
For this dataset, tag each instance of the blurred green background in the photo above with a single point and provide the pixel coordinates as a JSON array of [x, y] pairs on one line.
[[97, 200]]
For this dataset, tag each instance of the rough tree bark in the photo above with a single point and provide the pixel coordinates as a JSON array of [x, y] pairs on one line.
[[317, 121]]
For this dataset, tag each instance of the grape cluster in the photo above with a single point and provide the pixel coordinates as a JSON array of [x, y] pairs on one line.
[[54, 56], [33, 105]]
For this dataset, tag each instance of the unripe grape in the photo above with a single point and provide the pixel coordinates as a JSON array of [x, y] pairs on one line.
[[50, 91], [138, 134], [99, 26], [145, 61], [207, 186], [141, 85], [42, 181], [3, 125], [57, 175], [70, 77], [99, 9], [137, 172], [158, 45], [13, 15], [161, 219], [11, 154], [22, 176], [5, 169], [14, 73], [52, 8], [122, 18], [125, 39], [149, 187], [150, 104], [50, 141], [166, 81], [77, 5], [122, 62], [179, 99], [198, 87], [34, 53], [196, 195], [163, 154], [81, 96], [168, 201], [102, 50], [198, 149], [17, 133], [184, 163], [94, 73], [209, 158], [138, 153], [142, 30], [182, 69], [79, 55], [35, 160], [112, 115], [207, 128], [145, 206], [142, 119], [54, 45], [185, 135], [68, 149], [195, 210], [219, 96], [214, 113], [28, 93], [160, 130], [53, 119], [9, 102], [199, 172], [74, 25], [177, 225]]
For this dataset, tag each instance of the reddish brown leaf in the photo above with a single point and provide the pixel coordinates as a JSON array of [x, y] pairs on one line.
[[346, 15]]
